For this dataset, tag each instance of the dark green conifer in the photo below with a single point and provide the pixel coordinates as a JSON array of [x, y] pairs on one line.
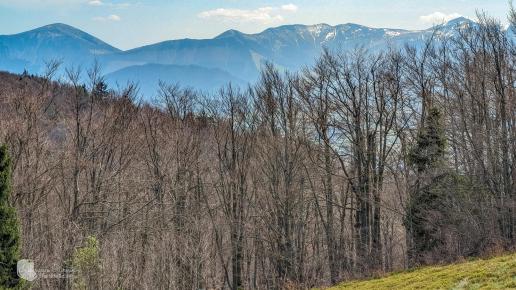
[[425, 204], [9, 228]]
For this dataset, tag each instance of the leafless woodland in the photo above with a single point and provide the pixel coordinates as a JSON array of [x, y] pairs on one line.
[[301, 180]]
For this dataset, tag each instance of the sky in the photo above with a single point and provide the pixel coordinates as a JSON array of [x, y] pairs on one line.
[[132, 23]]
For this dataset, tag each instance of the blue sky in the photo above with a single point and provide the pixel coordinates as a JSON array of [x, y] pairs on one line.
[[131, 23]]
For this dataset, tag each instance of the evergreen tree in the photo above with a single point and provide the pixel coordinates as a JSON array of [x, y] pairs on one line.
[[9, 228], [425, 205], [429, 152], [100, 91]]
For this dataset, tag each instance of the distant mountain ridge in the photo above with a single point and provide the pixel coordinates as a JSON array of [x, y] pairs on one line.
[[148, 76], [29, 50], [204, 64]]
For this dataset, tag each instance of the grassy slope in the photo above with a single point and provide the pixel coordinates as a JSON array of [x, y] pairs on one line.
[[496, 273]]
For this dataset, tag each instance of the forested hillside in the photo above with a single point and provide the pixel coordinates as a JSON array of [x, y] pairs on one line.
[[363, 163]]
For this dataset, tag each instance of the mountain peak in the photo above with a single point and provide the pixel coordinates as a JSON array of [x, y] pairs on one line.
[[57, 35], [229, 33], [58, 25], [459, 21], [59, 28]]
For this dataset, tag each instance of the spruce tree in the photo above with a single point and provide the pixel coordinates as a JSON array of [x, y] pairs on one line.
[[427, 199], [9, 228], [428, 154]]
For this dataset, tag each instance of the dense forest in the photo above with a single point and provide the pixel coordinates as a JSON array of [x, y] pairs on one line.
[[363, 163]]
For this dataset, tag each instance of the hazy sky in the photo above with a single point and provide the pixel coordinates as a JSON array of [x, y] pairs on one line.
[[131, 23]]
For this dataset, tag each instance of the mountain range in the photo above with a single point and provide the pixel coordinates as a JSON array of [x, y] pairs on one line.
[[205, 64]]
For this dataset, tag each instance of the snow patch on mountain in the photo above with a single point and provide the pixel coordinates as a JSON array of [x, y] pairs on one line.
[[392, 33], [331, 35]]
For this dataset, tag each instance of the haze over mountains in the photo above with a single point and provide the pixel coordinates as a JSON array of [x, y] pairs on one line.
[[204, 64]]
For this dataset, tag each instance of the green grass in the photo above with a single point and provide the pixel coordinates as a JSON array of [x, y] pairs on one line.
[[495, 273]]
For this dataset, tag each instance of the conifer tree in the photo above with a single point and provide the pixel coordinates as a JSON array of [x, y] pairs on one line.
[[429, 152], [9, 228], [426, 200]]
